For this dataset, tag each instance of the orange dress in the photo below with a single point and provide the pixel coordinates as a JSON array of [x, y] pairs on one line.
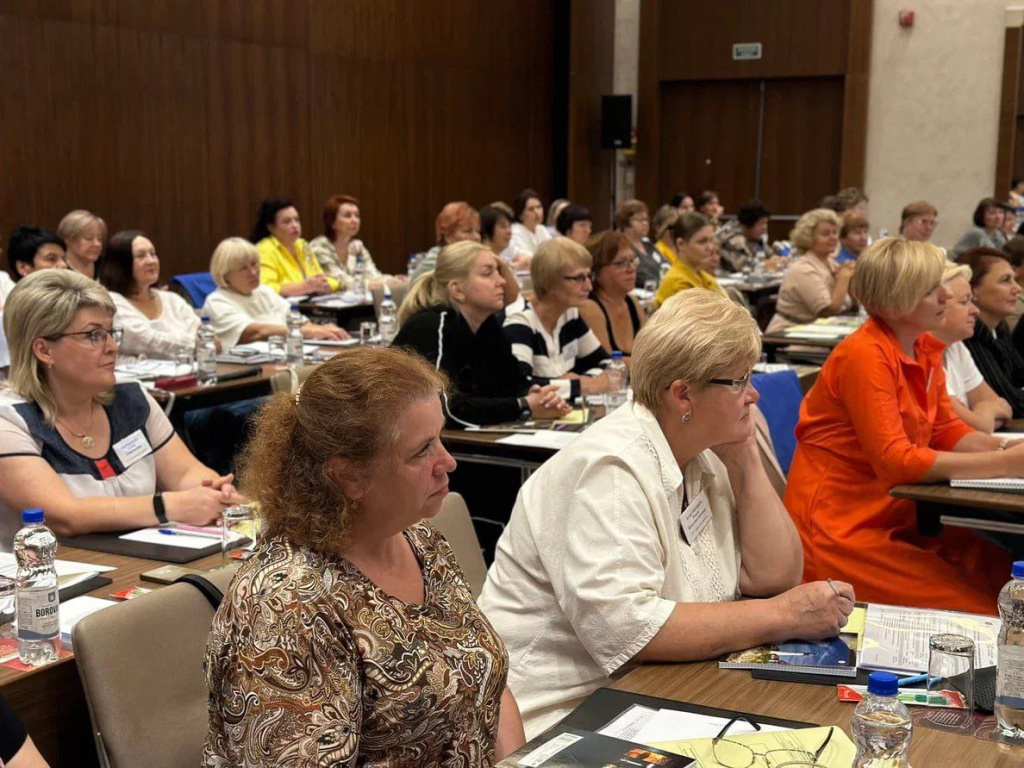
[[875, 419]]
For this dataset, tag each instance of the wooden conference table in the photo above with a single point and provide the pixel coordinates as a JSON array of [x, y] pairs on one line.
[[704, 683]]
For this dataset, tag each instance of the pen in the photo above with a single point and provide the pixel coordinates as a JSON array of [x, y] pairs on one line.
[[169, 532], [833, 588], [913, 679]]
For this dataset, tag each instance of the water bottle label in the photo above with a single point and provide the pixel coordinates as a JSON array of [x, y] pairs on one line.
[[1010, 675], [38, 614]]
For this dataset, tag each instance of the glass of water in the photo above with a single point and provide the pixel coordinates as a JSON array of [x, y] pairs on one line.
[[951, 668], [183, 361], [367, 334], [276, 347], [239, 522], [7, 607]]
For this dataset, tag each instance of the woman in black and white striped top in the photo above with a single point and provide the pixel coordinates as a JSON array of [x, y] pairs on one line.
[[552, 343]]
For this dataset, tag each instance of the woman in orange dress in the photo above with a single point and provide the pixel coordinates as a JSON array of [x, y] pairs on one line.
[[879, 416]]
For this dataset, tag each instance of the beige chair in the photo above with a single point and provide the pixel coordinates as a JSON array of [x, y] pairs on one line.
[[398, 292], [290, 379], [141, 664], [455, 524], [766, 448]]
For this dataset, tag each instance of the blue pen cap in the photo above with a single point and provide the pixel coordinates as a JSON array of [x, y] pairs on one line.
[[32, 516], [1018, 570], [883, 684]]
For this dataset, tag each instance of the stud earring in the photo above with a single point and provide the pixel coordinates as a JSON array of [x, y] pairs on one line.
[[687, 417]]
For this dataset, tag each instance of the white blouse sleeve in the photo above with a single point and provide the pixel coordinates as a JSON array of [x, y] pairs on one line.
[[141, 337], [228, 319]]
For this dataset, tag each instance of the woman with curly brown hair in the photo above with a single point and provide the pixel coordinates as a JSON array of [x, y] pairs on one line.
[[350, 636]]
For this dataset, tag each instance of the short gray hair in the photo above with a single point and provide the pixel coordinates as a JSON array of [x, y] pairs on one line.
[[42, 306], [229, 256], [694, 337], [551, 257], [76, 222], [802, 234]]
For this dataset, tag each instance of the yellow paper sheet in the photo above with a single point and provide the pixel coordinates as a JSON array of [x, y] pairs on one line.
[[855, 621], [839, 753], [576, 416]]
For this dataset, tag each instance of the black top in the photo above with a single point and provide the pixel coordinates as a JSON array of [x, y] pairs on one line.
[[634, 320], [12, 731], [999, 362], [486, 380]]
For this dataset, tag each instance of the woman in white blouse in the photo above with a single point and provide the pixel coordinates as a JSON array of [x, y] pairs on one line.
[[528, 230], [973, 399], [155, 323], [633, 543], [242, 310]]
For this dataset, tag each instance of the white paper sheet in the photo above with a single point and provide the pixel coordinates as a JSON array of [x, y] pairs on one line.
[[542, 438], [673, 725], [152, 369], [896, 637], [9, 566], [263, 347], [332, 343], [78, 608], [180, 540], [627, 725]]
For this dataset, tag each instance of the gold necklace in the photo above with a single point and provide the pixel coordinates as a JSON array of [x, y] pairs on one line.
[[87, 441]]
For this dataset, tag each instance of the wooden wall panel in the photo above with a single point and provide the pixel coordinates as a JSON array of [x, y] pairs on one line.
[[800, 38], [179, 116], [1006, 147]]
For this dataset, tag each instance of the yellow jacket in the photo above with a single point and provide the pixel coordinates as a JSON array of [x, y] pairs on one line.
[[682, 276], [279, 267]]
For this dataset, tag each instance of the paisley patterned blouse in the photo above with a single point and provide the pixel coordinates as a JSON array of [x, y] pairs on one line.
[[311, 664]]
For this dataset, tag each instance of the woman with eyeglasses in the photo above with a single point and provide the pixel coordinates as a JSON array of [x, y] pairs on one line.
[[693, 246], [878, 416], [633, 543], [612, 313], [633, 219], [94, 455], [549, 338], [156, 323]]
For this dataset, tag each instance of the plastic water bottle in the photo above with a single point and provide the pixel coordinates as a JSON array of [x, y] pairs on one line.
[[387, 319], [881, 725], [360, 276], [38, 603], [618, 378], [206, 350], [293, 341], [1009, 706]]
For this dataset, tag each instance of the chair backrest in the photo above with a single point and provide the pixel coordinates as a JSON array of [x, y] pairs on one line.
[[766, 449], [455, 524], [141, 664], [289, 380], [197, 286], [398, 292], [781, 395]]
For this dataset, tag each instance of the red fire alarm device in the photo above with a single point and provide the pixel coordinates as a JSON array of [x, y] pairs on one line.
[[906, 19]]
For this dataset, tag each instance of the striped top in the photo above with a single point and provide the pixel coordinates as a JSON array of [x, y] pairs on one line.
[[572, 348]]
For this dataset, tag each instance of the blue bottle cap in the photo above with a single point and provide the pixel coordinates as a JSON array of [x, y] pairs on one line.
[[32, 516], [883, 684], [1018, 570], [616, 355]]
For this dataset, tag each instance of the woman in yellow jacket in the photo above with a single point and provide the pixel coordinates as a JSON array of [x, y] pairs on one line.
[[693, 245], [286, 263]]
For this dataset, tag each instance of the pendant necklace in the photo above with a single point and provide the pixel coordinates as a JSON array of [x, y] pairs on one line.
[[87, 441]]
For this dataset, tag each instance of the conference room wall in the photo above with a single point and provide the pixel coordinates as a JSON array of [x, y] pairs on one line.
[[178, 116], [933, 117]]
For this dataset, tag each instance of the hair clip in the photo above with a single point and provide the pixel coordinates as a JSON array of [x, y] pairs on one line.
[[295, 397]]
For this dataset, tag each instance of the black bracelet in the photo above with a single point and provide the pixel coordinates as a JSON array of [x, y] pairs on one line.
[[158, 508]]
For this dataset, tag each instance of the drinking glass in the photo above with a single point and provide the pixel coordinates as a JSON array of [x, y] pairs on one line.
[[239, 520], [7, 607], [367, 333], [951, 668], [183, 361], [275, 344]]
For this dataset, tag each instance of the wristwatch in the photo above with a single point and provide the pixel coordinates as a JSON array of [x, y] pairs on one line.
[[525, 412]]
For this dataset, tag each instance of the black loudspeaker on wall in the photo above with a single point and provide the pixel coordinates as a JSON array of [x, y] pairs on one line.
[[616, 122]]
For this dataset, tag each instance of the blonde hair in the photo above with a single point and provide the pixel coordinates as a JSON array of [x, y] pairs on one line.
[[953, 271], [454, 263], [551, 257], [43, 305], [894, 274], [350, 407], [76, 222], [664, 218], [802, 235], [229, 256], [694, 337]]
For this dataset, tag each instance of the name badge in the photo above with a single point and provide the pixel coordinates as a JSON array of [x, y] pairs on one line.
[[132, 448], [695, 518]]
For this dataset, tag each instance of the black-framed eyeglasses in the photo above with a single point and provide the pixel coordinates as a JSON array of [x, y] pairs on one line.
[[735, 385], [734, 754], [97, 337], [579, 279]]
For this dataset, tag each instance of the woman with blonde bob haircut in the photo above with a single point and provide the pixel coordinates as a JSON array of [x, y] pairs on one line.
[[592, 573], [347, 576], [450, 318], [879, 415], [551, 341], [95, 455], [242, 309], [84, 234], [814, 286]]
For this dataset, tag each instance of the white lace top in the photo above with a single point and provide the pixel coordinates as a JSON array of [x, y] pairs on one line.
[[593, 561]]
